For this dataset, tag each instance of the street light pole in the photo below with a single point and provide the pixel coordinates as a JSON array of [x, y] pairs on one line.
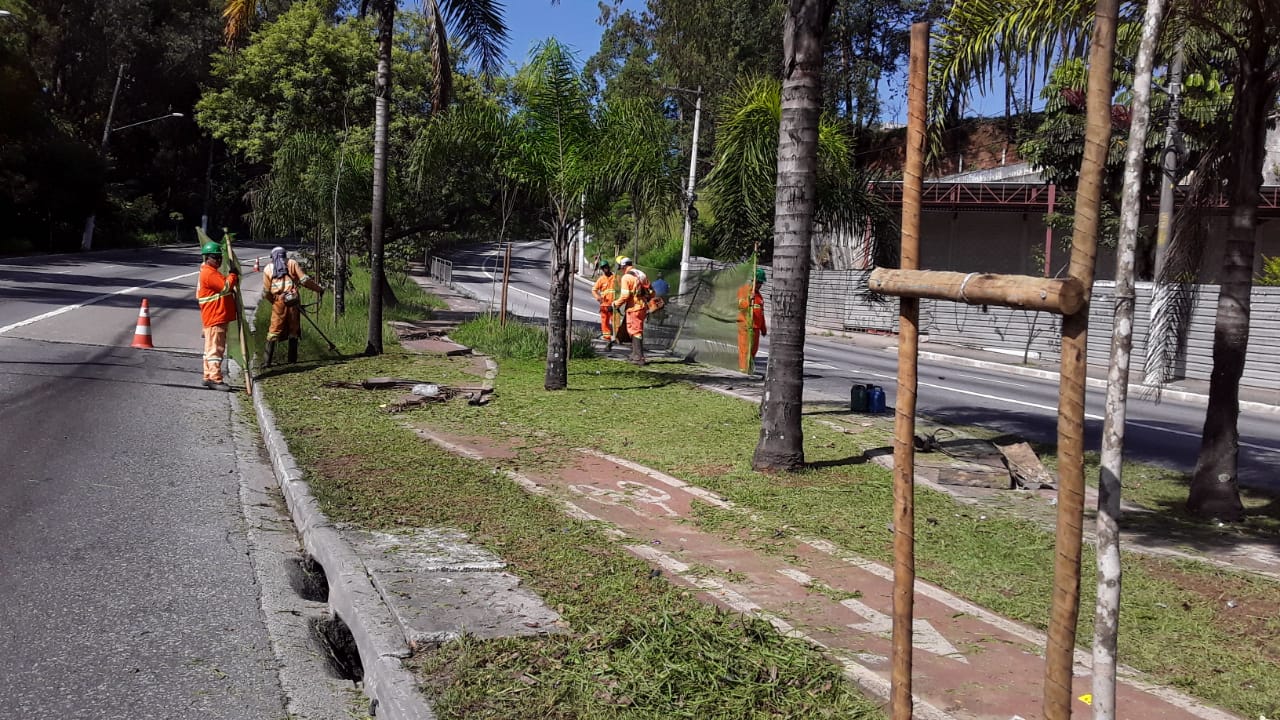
[[86, 241], [688, 209]]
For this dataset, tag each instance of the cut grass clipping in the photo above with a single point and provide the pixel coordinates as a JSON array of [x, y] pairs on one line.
[[637, 647]]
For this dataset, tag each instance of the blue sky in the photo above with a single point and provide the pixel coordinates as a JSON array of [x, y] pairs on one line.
[[573, 22]]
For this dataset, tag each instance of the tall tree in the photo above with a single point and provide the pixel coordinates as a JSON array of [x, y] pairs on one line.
[[479, 25], [1106, 624], [1251, 28], [781, 444], [568, 151]]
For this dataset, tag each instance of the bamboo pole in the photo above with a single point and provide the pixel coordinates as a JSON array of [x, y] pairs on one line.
[[1066, 568], [1061, 296], [506, 280], [904, 562]]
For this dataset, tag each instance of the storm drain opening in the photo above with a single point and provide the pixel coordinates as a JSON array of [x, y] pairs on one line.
[[339, 646], [307, 578]]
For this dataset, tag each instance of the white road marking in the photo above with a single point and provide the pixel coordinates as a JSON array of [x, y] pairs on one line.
[[989, 380], [90, 301], [923, 634], [1054, 409]]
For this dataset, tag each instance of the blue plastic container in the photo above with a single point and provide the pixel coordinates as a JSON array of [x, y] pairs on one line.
[[875, 399]]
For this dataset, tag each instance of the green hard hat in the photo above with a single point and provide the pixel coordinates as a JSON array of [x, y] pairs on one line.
[[759, 274], [604, 264], [211, 247]]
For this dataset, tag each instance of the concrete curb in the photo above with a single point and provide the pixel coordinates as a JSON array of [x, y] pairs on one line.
[[393, 691], [1136, 389]]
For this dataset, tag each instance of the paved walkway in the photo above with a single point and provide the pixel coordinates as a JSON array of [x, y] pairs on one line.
[[969, 663]]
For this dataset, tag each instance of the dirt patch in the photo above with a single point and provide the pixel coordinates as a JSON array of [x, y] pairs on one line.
[[341, 466], [1244, 608]]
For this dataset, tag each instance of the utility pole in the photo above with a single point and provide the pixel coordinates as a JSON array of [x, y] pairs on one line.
[[1157, 370], [208, 191], [688, 209], [86, 241]]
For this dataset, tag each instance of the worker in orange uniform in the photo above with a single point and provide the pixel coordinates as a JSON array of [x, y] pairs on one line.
[[751, 324], [216, 296], [281, 285], [603, 291], [633, 301]]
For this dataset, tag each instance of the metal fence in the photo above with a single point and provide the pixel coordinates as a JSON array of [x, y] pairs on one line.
[[441, 270]]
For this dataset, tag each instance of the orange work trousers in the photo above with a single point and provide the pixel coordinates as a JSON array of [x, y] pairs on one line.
[[606, 321], [748, 344], [635, 321], [215, 349]]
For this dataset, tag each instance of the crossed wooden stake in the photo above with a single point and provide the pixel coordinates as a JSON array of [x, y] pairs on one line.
[[1067, 297]]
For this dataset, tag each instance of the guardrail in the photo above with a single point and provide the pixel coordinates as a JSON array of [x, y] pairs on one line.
[[441, 270]]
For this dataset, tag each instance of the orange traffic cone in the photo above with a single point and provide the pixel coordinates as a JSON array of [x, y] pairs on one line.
[[142, 333], [257, 264]]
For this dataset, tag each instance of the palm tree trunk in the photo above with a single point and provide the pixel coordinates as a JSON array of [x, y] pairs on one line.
[[381, 124], [1215, 492], [557, 377], [1106, 624], [781, 445]]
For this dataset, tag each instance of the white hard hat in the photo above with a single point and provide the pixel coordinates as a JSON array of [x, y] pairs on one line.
[[623, 260]]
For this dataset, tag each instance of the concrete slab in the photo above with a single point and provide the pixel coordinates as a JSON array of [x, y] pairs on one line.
[[440, 587]]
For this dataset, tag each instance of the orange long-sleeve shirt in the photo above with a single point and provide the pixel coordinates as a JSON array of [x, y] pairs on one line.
[[216, 296], [603, 291]]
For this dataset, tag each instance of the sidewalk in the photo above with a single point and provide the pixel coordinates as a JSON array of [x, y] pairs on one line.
[[969, 663]]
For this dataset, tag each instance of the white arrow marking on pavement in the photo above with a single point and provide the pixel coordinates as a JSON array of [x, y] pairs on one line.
[[923, 635]]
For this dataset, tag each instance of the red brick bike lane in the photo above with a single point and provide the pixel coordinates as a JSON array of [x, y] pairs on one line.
[[967, 662]]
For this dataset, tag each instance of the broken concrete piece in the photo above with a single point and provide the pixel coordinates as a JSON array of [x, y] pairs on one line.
[[1025, 468]]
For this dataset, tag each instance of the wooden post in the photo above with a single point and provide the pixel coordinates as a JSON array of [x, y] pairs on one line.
[[1059, 654], [506, 280], [904, 540], [1062, 297]]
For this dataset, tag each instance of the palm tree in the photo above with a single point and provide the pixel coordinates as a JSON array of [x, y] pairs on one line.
[[480, 25], [1252, 30], [564, 152], [741, 187], [781, 443]]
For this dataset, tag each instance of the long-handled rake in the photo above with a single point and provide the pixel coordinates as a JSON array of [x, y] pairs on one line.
[[332, 348]]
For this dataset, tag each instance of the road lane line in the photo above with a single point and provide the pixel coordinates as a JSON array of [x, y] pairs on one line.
[[91, 301], [1054, 409]]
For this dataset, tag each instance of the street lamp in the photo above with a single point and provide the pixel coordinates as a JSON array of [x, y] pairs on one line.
[[144, 122], [86, 240], [693, 168]]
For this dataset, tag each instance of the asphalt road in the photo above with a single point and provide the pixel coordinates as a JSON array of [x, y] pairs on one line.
[[1165, 433], [126, 587]]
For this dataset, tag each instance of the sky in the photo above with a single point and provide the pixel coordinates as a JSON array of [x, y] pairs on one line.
[[574, 23]]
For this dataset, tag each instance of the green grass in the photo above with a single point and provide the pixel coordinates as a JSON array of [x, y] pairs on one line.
[[639, 647], [1176, 625], [514, 340]]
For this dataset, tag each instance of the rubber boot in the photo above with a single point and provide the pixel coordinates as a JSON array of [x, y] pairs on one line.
[[293, 350], [271, 351], [637, 351]]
